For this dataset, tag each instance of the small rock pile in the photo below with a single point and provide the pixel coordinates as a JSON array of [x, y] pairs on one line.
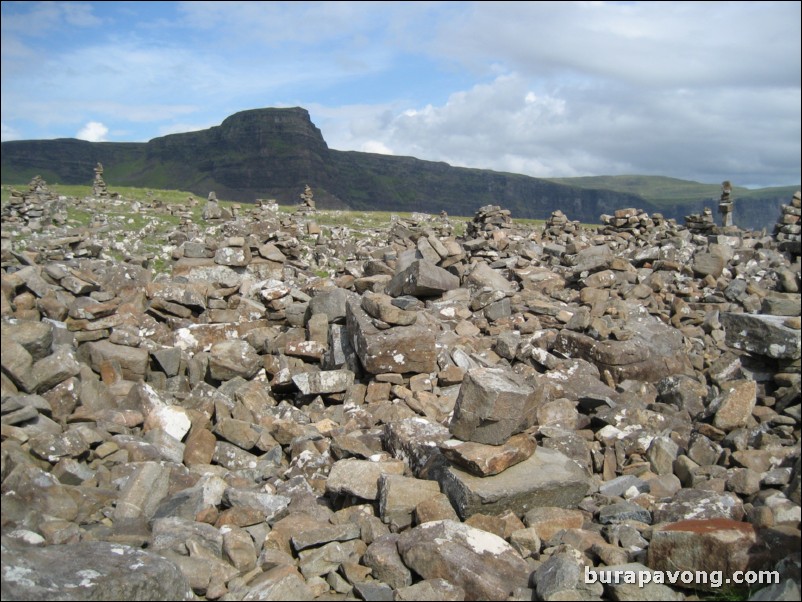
[[634, 222], [487, 219], [35, 209], [788, 230], [213, 212], [700, 222], [402, 414], [558, 226]]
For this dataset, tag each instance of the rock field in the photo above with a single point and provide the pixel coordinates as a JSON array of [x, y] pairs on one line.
[[442, 417]]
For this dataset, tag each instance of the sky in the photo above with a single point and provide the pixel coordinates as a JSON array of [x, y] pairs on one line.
[[703, 91]]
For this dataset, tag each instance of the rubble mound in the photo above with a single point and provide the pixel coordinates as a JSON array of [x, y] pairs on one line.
[[293, 411]]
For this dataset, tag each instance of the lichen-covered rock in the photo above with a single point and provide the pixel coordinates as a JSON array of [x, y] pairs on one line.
[[401, 349], [95, 570], [485, 566]]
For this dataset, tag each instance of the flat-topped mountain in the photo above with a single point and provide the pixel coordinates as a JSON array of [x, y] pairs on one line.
[[273, 153]]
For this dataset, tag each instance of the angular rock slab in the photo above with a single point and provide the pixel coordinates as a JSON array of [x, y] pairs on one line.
[[737, 403], [487, 460], [484, 565], [414, 440], [229, 359], [492, 406], [422, 279], [317, 383], [360, 477], [89, 571], [761, 334], [654, 351], [699, 504], [716, 544], [547, 478], [399, 350], [133, 360]]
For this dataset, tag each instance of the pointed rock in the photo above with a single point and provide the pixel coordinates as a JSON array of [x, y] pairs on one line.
[[485, 566]]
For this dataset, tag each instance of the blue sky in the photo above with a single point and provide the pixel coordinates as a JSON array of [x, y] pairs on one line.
[[704, 91]]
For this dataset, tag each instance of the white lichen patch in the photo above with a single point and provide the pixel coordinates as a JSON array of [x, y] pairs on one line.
[[88, 577], [776, 350], [18, 574], [482, 541]]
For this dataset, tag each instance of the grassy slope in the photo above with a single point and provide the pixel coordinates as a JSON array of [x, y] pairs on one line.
[[79, 216]]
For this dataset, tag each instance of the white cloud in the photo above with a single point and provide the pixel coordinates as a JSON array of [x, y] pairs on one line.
[[642, 43], [44, 17], [375, 146], [705, 91], [505, 126], [8, 133], [94, 131]]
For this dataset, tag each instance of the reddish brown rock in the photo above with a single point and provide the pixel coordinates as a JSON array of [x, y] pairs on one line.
[[485, 460]]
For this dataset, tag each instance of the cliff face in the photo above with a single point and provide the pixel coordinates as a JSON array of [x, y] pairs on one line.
[[252, 153], [273, 153]]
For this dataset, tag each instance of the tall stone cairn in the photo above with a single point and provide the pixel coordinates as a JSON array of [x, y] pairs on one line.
[[725, 204], [307, 204], [99, 188], [788, 228]]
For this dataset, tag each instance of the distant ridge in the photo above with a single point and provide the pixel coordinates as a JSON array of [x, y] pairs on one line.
[[273, 153]]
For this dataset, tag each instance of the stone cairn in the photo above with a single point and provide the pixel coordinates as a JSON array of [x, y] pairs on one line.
[[487, 219], [307, 205], [788, 229], [700, 223], [213, 212], [440, 417], [558, 226], [725, 204], [635, 223], [266, 208], [99, 188], [35, 209]]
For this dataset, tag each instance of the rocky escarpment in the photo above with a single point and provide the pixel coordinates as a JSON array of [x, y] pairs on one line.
[[441, 417], [274, 153]]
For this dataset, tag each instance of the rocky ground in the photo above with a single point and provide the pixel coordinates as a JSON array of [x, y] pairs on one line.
[[476, 417]]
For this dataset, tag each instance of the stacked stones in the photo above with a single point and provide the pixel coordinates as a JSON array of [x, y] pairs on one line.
[[558, 226], [725, 204], [703, 223], [36, 209], [265, 208], [788, 228], [99, 188], [487, 219], [213, 212], [307, 204], [633, 222], [496, 469], [267, 433]]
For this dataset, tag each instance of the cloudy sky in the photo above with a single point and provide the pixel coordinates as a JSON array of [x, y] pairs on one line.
[[704, 91]]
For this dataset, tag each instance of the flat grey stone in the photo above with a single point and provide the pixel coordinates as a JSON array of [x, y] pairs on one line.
[[547, 478], [89, 571]]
